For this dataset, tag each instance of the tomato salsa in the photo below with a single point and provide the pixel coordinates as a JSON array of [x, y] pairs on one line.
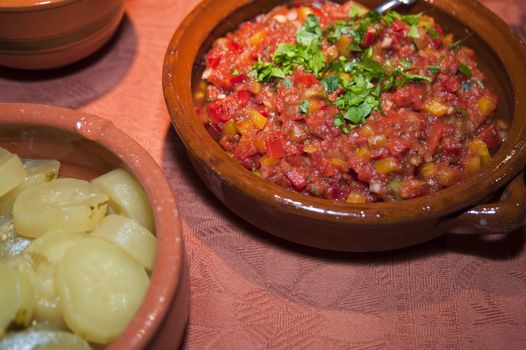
[[341, 103]]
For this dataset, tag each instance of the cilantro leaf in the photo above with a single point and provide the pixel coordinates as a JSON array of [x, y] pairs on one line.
[[304, 106], [310, 32], [265, 71], [433, 69], [331, 83], [465, 70], [413, 32], [433, 33], [459, 42]]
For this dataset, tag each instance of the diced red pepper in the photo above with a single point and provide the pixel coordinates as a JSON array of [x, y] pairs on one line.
[[437, 131], [297, 178], [305, 79], [244, 150], [489, 134], [275, 147], [451, 84], [369, 38], [243, 97], [234, 46], [217, 112], [236, 79], [213, 60]]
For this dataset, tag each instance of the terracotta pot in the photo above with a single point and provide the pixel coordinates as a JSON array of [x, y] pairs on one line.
[[49, 34], [88, 146], [320, 223]]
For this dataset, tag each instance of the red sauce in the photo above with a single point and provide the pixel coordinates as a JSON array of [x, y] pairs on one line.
[[427, 132]]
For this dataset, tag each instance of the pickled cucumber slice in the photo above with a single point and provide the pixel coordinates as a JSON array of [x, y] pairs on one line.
[[135, 239], [61, 205], [100, 288], [126, 196], [16, 298], [38, 263], [12, 171], [43, 340], [38, 171]]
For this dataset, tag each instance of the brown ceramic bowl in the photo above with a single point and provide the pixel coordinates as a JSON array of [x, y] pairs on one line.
[[462, 208], [48, 34], [88, 146]]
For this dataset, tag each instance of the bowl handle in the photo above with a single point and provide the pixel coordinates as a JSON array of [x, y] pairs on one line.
[[505, 216]]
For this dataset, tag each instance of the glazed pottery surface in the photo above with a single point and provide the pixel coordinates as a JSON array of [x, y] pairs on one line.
[[88, 146], [478, 205], [50, 34]]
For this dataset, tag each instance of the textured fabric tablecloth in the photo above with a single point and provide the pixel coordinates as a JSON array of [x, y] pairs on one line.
[[250, 290]]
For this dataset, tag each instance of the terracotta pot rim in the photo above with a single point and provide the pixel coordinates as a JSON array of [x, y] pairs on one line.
[[168, 270], [508, 162], [33, 5]]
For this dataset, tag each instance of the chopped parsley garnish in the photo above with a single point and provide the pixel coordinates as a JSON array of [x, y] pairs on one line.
[[433, 69], [413, 32], [234, 72], [359, 81], [433, 33], [288, 84], [266, 71], [306, 53], [462, 68], [459, 42], [304, 107]]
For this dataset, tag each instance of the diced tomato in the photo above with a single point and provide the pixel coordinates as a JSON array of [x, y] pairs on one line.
[[489, 134], [234, 46], [305, 79], [275, 147], [244, 150], [297, 178], [398, 146], [398, 26], [364, 170], [217, 112], [369, 38], [451, 84], [437, 131], [213, 60], [243, 97], [236, 79]]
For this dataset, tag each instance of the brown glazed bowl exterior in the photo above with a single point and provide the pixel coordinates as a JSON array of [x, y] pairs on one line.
[[88, 146], [48, 34], [462, 208]]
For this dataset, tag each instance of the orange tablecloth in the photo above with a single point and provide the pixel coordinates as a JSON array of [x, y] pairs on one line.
[[250, 290]]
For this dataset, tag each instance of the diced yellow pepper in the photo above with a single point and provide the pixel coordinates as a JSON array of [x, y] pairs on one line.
[[435, 106], [267, 161], [245, 126], [257, 38], [356, 198], [229, 128], [260, 145], [386, 165], [343, 45], [426, 22], [255, 87], [339, 163], [480, 148], [363, 153], [199, 97], [366, 131], [314, 105], [427, 170], [304, 11], [377, 141], [309, 148], [473, 164], [487, 105], [258, 119]]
